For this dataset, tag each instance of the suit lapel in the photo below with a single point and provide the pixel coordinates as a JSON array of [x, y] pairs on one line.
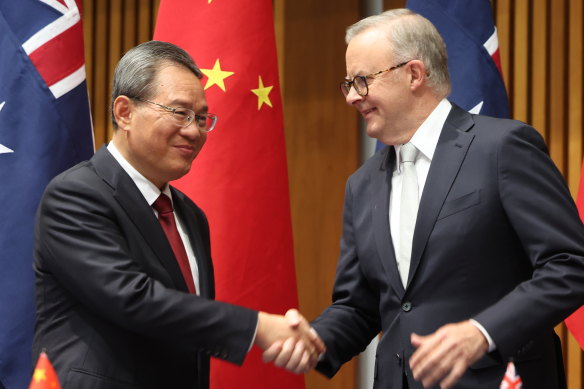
[[380, 189], [450, 152], [193, 225], [140, 213]]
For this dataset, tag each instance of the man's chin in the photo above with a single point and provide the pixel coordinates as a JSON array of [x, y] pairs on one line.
[[180, 173], [372, 131]]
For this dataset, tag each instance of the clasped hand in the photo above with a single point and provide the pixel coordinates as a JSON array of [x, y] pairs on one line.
[[288, 341]]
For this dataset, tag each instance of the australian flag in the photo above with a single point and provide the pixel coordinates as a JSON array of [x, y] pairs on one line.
[[470, 35], [45, 128]]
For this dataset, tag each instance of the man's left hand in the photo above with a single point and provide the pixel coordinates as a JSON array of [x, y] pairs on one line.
[[446, 354]]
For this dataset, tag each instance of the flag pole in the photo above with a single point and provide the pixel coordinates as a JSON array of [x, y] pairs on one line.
[[366, 360]]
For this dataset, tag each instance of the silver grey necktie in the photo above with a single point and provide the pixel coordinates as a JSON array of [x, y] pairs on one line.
[[408, 208]]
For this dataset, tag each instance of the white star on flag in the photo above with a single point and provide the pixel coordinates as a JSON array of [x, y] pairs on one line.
[[4, 149], [477, 108]]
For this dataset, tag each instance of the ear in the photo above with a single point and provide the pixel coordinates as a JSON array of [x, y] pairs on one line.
[[122, 110], [417, 74]]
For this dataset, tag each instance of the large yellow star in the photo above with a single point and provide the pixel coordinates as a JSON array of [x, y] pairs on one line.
[[216, 76], [40, 375], [262, 92]]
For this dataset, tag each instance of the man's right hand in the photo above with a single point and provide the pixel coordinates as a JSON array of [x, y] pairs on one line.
[[288, 341]]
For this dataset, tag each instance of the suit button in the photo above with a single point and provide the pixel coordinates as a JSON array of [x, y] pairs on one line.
[[399, 359], [407, 306]]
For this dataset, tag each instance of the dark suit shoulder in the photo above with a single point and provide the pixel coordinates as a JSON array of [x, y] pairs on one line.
[[73, 173], [499, 129], [81, 178]]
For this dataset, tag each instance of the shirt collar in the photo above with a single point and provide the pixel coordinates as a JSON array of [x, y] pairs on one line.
[[426, 136], [147, 188]]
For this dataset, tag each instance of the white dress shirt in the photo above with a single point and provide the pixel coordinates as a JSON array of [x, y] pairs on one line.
[[425, 139]]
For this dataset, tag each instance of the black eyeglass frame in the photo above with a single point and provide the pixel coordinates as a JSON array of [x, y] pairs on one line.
[[190, 117], [346, 85]]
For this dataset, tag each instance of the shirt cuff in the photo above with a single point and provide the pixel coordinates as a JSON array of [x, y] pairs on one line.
[[254, 336], [478, 325]]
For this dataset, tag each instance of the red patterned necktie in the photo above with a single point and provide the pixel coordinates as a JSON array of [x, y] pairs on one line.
[[163, 206]]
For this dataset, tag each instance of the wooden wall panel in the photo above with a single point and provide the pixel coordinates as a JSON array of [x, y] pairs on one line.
[[550, 34], [556, 136], [539, 66], [521, 61], [322, 147], [575, 68], [574, 135]]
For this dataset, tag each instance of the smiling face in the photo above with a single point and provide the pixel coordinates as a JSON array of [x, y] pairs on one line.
[[386, 107], [150, 138]]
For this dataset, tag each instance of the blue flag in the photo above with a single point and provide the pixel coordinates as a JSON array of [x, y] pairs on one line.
[[470, 35], [45, 128]]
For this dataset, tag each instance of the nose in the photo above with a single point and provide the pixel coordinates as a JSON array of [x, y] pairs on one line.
[[352, 97], [192, 131]]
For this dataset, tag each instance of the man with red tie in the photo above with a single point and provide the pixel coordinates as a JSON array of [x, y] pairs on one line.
[[123, 266]]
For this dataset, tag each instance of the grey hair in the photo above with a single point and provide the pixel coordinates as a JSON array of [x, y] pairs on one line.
[[136, 71], [411, 36]]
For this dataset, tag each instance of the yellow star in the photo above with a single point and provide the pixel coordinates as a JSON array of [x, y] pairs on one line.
[[40, 375], [210, 1], [216, 76], [262, 92]]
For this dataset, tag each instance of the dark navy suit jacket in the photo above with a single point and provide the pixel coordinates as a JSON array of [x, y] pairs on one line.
[[497, 239]]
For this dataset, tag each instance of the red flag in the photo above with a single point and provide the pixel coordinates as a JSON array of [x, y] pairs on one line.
[[511, 379], [240, 178], [44, 376], [575, 322]]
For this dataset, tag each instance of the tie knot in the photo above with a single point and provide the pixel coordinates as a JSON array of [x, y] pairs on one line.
[[408, 152], [162, 204]]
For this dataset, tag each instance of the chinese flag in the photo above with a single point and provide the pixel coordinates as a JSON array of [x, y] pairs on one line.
[[240, 178], [575, 322], [44, 376]]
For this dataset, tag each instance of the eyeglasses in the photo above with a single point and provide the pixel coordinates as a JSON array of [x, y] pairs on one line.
[[184, 116], [360, 82]]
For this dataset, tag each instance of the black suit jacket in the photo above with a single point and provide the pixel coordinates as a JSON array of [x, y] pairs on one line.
[[112, 307], [497, 239]]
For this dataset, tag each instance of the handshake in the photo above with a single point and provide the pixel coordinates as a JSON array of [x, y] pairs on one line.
[[288, 341]]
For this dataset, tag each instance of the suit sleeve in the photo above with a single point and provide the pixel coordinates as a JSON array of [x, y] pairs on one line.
[[80, 243], [543, 215], [351, 322]]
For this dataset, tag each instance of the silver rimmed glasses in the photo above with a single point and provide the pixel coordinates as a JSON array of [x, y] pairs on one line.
[[185, 116]]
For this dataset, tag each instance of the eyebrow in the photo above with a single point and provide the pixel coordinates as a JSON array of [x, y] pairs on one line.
[[182, 104]]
